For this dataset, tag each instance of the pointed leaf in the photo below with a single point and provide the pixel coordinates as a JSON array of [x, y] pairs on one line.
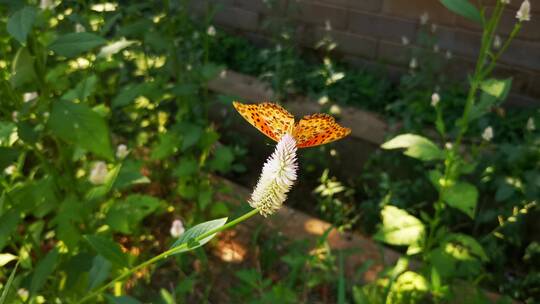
[[191, 234], [417, 147], [462, 196], [43, 270], [108, 249], [20, 23], [74, 44], [463, 8], [399, 227], [78, 124]]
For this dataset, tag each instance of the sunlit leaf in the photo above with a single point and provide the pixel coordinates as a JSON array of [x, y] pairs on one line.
[[20, 23], [416, 147], [6, 258], [73, 44], [463, 8], [462, 196], [191, 234], [108, 249], [398, 227], [115, 47]]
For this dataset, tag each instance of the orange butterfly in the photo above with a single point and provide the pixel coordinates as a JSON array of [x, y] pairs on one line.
[[274, 121]]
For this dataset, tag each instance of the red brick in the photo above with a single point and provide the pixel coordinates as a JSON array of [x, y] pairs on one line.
[[363, 5], [523, 54], [348, 43], [387, 28], [437, 12], [237, 18], [394, 53], [319, 14]]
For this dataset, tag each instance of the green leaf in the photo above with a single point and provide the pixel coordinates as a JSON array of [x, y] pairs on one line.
[[417, 147], [191, 234], [463, 8], [121, 300], [43, 270], [8, 156], [130, 174], [496, 87], [462, 196], [167, 145], [99, 272], [108, 249], [469, 244], [6, 258], [74, 44], [129, 92], [83, 90], [8, 225], [102, 190], [494, 92], [20, 23], [399, 227], [9, 282], [125, 216], [222, 160], [22, 71], [78, 124]]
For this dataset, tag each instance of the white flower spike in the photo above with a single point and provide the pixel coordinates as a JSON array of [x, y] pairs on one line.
[[497, 42], [177, 228], [531, 126], [277, 177], [98, 173], [435, 98], [487, 135], [121, 151], [413, 64], [524, 12]]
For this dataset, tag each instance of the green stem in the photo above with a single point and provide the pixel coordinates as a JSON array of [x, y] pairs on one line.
[[491, 66], [166, 254]]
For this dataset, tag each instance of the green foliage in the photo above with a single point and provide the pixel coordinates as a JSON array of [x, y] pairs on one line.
[[416, 147], [189, 238], [399, 227]]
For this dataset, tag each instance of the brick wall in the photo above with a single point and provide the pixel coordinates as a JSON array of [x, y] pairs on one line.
[[370, 31]]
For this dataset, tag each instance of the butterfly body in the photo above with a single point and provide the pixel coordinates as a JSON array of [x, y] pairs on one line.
[[274, 121]]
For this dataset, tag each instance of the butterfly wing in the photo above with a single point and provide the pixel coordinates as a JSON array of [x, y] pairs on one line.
[[318, 129], [271, 119]]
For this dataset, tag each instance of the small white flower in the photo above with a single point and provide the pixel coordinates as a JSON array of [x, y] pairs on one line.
[[79, 28], [424, 18], [405, 40], [505, 1], [29, 96], [414, 63], [327, 25], [487, 135], [436, 48], [435, 98], [277, 177], [121, 151], [98, 173], [497, 42], [211, 31], [10, 169], [23, 293], [433, 28], [448, 55], [448, 145], [46, 4], [335, 110], [531, 126], [15, 116], [524, 12], [323, 100], [177, 228]]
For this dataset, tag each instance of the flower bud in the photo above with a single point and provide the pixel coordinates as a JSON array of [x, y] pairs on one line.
[[524, 12]]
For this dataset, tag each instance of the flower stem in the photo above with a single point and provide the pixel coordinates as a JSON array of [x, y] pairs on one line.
[[167, 253]]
